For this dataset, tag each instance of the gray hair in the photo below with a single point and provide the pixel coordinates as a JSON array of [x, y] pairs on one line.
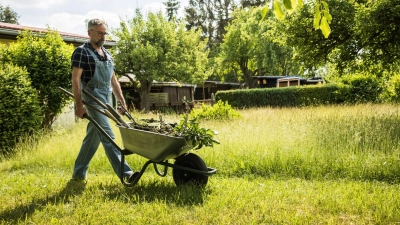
[[95, 22]]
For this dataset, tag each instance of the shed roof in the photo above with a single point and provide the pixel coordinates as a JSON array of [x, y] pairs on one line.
[[223, 83], [11, 31], [171, 84], [274, 77], [129, 76]]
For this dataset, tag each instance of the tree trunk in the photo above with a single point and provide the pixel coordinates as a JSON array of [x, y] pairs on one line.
[[247, 74], [145, 87]]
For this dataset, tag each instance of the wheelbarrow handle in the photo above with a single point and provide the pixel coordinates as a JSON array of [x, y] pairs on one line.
[[126, 113], [108, 107], [91, 106]]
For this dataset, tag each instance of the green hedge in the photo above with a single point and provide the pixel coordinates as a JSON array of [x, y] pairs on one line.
[[363, 87], [20, 112], [285, 97]]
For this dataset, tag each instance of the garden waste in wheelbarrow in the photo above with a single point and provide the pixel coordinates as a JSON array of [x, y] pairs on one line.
[[158, 148], [154, 146]]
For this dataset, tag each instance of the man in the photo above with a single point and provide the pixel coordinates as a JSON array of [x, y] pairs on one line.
[[93, 70]]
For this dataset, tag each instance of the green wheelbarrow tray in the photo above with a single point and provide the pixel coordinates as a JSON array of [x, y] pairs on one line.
[[154, 146]]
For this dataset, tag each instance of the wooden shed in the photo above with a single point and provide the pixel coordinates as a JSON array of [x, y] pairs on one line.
[[203, 92], [162, 94], [172, 95]]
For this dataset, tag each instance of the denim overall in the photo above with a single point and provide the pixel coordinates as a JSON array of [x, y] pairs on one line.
[[100, 87]]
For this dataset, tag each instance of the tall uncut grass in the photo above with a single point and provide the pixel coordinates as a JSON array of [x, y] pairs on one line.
[[314, 165], [355, 142]]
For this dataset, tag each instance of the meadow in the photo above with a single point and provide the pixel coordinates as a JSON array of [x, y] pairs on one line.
[[312, 165]]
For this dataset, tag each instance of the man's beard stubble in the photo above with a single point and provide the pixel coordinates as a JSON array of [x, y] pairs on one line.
[[100, 42]]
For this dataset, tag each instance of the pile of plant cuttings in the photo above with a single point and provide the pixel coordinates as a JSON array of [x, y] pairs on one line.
[[188, 128]]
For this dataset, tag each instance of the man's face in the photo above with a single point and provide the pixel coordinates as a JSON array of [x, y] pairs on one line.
[[97, 35]]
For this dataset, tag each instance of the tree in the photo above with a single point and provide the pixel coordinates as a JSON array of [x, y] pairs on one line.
[[153, 48], [200, 16], [46, 57], [7, 15], [211, 17], [251, 3], [322, 16], [379, 37], [364, 36], [224, 9], [248, 46], [172, 8], [311, 48]]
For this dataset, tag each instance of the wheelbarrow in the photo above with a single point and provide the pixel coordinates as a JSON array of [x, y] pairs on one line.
[[188, 168]]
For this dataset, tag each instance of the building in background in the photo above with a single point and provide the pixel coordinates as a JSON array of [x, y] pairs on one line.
[[9, 33]]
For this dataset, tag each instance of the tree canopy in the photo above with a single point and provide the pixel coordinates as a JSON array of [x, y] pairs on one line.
[[249, 46], [364, 33], [172, 7], [379, 37], [8, 15], [153, 48]]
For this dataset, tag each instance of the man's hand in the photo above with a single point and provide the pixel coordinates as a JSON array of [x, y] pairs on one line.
[[122, 107], [80, 111]]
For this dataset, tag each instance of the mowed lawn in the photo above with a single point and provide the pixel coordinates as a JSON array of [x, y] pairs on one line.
[[313, 165]]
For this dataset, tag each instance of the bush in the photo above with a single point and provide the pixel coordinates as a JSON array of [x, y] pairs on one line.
[[46, 57], [283, 97], [392, 91], [362, 88], [219, 111], [20, 112]]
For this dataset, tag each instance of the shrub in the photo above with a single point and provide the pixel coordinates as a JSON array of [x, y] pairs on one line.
[[392, 91], [46, 57], [20, 112], [219, 111], [362, 88]]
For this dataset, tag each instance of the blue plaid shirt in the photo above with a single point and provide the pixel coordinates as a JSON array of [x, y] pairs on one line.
[[81, 58]]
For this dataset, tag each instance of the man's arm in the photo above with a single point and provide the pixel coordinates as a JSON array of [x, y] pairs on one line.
[[76, 90], [117, 91]]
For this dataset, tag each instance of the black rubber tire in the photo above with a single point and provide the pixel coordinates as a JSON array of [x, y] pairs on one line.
[[183, 177]]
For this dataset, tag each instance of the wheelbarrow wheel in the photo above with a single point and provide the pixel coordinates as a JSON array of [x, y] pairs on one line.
[[184, 177]]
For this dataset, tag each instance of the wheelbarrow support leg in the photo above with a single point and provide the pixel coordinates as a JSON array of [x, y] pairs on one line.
[[137, 178]]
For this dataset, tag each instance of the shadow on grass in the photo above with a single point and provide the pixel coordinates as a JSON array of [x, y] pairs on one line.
[[185, 195], [144, 192], [20, 212]]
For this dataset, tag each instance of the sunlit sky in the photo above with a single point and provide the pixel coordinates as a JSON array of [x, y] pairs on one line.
[[70, 15]]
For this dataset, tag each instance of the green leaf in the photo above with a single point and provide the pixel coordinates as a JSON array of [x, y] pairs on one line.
[[328, 16], [300, 3], [326, 30], [294, 3], [264, 12], [326, 7], [278, 11], [287, 4], [317, 17]]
